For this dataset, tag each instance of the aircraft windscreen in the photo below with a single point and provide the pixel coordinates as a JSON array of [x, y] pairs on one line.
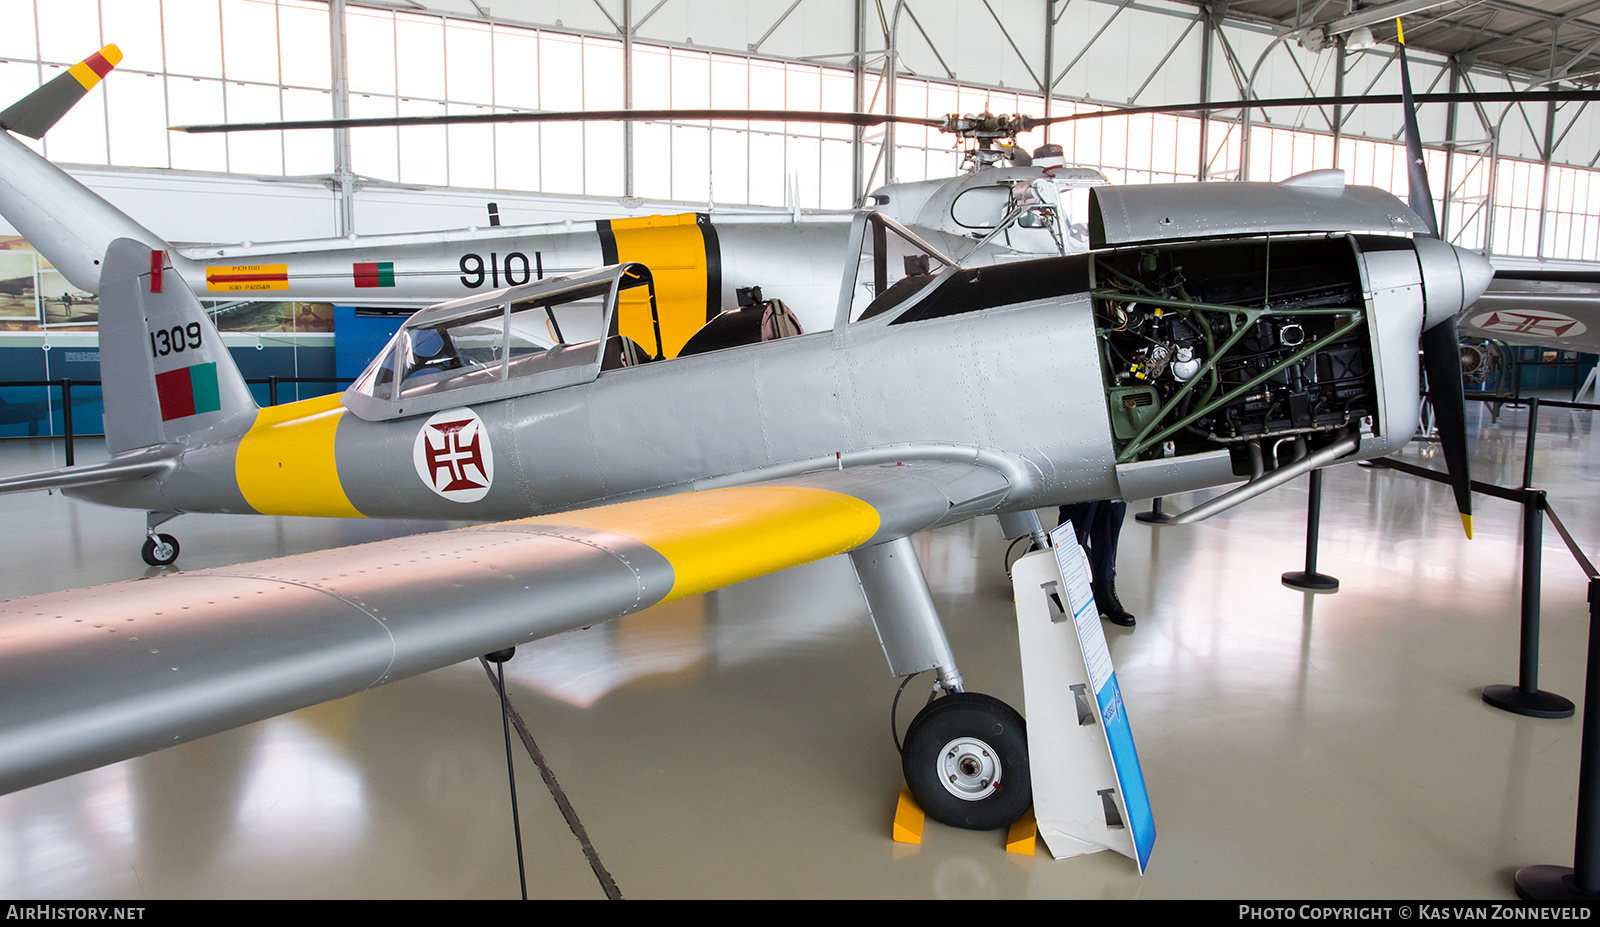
[[493, 343], [467, 350], [890, 256], [982, 207], [534, 337]]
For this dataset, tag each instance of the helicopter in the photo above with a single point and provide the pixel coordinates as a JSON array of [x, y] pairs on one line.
[[1006, 205]]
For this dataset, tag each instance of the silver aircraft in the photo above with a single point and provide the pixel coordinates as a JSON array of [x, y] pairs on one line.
[[1174, 356], [1210, 333]]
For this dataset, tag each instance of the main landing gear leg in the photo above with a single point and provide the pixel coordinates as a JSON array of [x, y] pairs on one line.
[[966, 755], [159, 549], [1014, 525]]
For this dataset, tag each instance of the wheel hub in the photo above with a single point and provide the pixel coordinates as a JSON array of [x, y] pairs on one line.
[[969, 769]]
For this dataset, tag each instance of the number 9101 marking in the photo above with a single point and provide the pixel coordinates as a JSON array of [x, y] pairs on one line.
[[174, 340]]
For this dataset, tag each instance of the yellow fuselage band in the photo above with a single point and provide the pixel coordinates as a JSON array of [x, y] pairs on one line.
[[285, 463]]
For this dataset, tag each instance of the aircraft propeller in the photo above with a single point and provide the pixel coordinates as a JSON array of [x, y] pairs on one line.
[[1441, 348]]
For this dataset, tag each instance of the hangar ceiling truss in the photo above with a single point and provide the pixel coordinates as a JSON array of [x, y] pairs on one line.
[[1052, 48]]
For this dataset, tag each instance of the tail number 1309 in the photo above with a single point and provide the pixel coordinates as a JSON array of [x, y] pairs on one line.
[[178, 338]]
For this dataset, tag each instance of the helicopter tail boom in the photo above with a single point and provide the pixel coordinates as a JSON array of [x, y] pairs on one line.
[[70, 224]]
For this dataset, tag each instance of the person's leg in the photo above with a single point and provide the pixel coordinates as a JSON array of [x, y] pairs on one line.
[[1105, 532], [1082, 515]]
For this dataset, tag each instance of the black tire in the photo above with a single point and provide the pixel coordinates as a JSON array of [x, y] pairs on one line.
[[982, 743], [163, 553]]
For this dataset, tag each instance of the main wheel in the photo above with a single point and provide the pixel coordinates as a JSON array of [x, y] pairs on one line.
[[160, 550], [966, 762]]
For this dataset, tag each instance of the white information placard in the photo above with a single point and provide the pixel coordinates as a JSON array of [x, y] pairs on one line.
[[1089, 792]]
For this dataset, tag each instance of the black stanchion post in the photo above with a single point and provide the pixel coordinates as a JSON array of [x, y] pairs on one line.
[[1155, 516], [1527, 452], [272, 391], [1525, 698], [66, 415], [1586, 844], [1309, 579], [1582, 881]]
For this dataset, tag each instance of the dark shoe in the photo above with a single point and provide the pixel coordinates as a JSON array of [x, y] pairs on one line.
[[1105, 596]]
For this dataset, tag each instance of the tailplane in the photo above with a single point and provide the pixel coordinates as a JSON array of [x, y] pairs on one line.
[[168, 378], [69, 224]]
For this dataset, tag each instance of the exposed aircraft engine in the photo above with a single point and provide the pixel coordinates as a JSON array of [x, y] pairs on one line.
[[1482, 360], [1259, 347]]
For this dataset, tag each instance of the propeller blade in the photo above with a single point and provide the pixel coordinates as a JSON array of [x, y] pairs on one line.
[[1441, 358], [865, 120], [1418, 193], [1441, 348]]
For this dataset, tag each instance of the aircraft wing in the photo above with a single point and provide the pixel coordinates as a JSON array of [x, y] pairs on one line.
[[94, 676], [1555, 309]]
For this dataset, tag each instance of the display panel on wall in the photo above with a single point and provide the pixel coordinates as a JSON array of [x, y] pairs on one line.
[[34, 296], [49, 330]]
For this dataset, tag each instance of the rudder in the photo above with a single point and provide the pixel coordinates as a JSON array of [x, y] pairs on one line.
[[165, 373]]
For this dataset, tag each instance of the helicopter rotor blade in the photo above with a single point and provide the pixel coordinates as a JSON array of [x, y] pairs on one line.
[[1494, 96], [953, 123], [865, 120]]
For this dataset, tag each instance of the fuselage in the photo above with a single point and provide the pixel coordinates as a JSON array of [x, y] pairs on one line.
[[875, 389], [1009, 374]]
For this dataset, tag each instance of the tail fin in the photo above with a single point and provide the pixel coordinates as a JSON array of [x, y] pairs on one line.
[[167, 376], [69, 224], [34, 114]]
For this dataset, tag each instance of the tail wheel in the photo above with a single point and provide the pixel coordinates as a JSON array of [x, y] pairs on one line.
[[966, 762], [160, 550]]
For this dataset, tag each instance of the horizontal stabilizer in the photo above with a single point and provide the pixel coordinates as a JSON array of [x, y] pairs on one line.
[[125, 468], [34, 114]]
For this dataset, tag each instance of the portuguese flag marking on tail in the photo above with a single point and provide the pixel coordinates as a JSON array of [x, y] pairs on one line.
[[188, 391]]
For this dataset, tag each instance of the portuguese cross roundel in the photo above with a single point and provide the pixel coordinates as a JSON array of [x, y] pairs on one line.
[[453, 456], [1543, 323]]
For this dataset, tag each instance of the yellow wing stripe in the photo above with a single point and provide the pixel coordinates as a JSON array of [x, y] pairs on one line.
[[720, 537], [674, 249], [285, 463]]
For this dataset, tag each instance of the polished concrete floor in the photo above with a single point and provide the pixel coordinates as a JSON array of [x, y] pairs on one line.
[[737, 745]]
